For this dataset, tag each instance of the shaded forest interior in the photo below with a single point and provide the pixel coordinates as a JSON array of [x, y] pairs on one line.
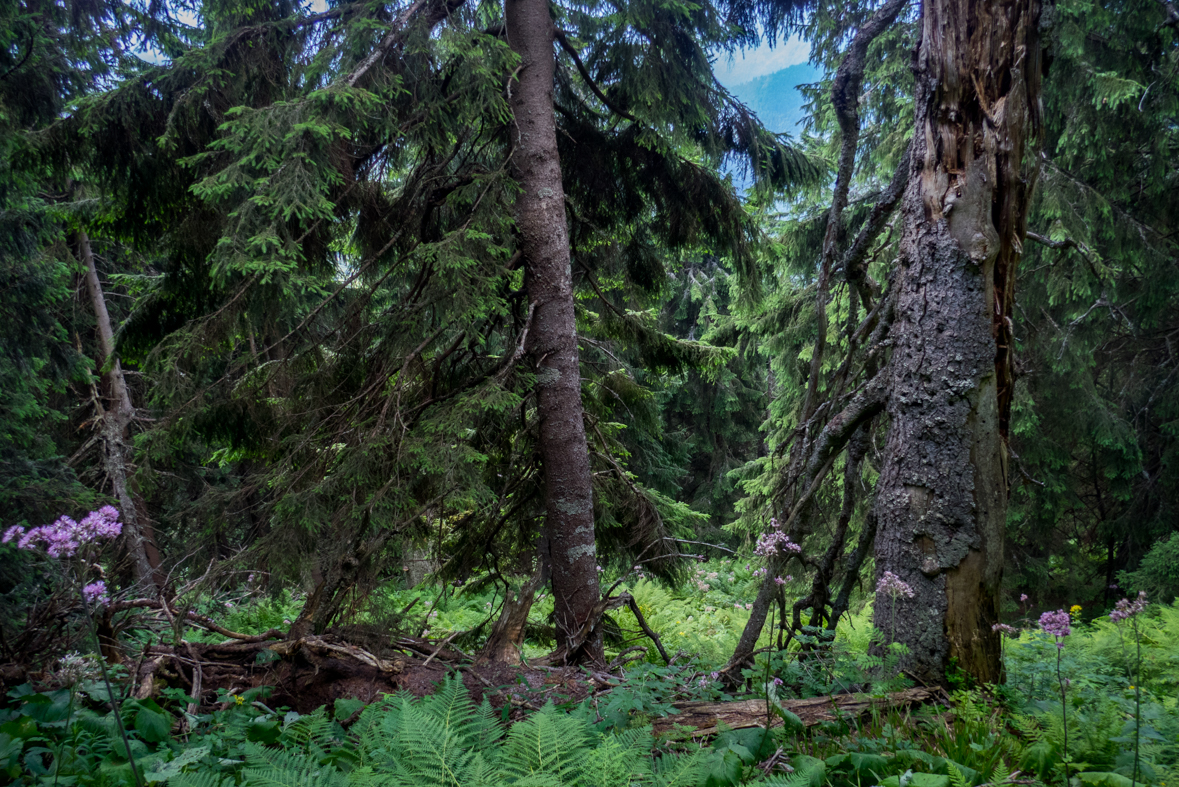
[[384, 373]]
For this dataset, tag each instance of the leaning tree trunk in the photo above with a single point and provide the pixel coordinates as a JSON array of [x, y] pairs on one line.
[[942, 495], [116, 423], [552, 340]]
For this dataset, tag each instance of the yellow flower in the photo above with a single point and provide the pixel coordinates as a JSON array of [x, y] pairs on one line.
[[1075, 608], [239, 699]]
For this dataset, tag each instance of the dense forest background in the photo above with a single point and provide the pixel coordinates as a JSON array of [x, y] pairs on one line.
[[236, 348], [285, 286]]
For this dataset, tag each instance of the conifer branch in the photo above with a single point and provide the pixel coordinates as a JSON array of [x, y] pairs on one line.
[[396, 34], [845, 96], [563, 40], [853, 258]]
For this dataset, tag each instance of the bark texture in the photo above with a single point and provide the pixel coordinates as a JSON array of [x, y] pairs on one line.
[[552, 341], [942, 495], [116, 418]]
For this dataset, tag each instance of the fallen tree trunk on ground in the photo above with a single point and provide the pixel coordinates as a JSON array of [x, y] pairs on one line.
[[705, 718]]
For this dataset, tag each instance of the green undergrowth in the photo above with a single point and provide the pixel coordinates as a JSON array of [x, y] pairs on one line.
[[1009, 734]]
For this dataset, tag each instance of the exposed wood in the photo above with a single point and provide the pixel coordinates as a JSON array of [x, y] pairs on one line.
[[116, 438], [506, 640], [324, 646], [705, 718]]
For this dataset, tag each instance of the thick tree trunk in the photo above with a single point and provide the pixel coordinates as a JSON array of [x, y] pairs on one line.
[[116, 422], [942, 495], [552, 340]]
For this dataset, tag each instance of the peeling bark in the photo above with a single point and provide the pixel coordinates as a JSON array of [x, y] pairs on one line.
[[942, 495], [552, 342], [116, 423]]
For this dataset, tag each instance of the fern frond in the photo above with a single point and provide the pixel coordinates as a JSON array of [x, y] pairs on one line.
[[314, 732], [428, 752], [278, 768], [620, 759], [547, 743], [200, 779], [679, 770]]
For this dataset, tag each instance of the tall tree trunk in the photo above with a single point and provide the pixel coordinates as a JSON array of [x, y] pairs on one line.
[[552, 341], [942, 495], [116, 423]]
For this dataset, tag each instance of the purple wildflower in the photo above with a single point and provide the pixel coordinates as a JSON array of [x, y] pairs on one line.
[[1023, 597], [1058, 624], [777, 681], [779, 580], [65, 536], [1126, 608], [775, 542], [95, 593], [892, 585], [1003, 628]]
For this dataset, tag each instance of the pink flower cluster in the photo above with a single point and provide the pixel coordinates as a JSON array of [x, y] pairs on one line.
[[95, 593], [892, 585], [65, 536], [775, 542], [1126, 608], [1003, 628], [1058, 624]]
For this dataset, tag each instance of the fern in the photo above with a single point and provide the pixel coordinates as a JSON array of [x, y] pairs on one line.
[[546, 743], [1028, 727], [199, 779], [620, 759], [956, 777], [445, 740], [279, 768], [431, 751], [809, 775], [314, 732]]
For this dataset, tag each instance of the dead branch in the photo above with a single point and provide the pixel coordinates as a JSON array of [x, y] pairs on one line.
[[705, 718]]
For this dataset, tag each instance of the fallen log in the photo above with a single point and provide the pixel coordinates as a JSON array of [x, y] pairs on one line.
[[705, 718]]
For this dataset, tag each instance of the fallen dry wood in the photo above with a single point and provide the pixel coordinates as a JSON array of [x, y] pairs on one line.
[[327, 647], [704, 717]]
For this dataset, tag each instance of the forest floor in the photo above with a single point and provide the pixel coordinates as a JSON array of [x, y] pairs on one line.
[[837, 714]]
